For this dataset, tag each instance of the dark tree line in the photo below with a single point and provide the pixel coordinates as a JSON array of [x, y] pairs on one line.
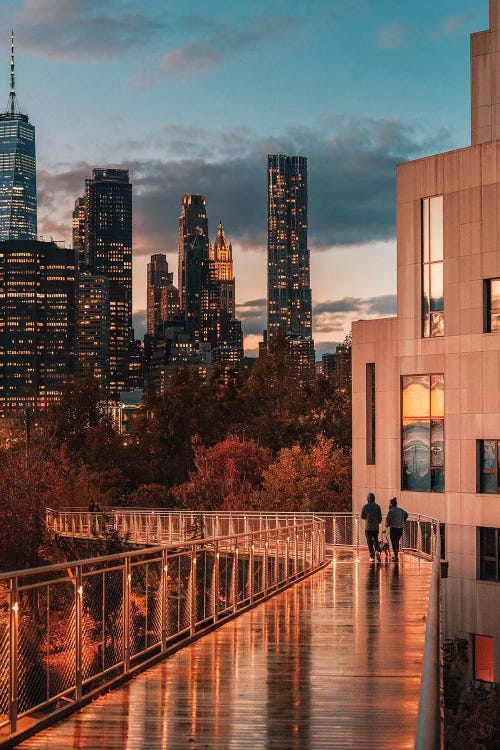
[[225, 442]]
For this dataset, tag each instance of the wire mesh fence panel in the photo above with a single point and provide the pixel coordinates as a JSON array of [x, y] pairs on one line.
[[174, 593], [58, 644], [225, 593], [154, 602], [205, 561], [409, 540], [138, 608], [113, 618], [32, 670]]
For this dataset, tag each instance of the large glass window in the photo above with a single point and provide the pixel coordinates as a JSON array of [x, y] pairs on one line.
[[488, 466], [370, 413], [422, 433], [432, 267], [489, 558], [491, 305]]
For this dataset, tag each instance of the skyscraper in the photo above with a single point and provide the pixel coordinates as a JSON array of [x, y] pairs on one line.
[[221, 270], [93, 329], [18, 206], [193, 260], [162, 295], [37, 287], [80, 233], [108, 250], [289, 305]]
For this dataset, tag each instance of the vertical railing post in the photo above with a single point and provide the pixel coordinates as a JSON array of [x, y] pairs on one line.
[[265, 566], [235, 576], [216, 582], [164, 599], [419, 544], [251, 564], [295, 552], [192, 614], [127, 581], [287, 556], [78, 630], [357, 530], [13, 654]]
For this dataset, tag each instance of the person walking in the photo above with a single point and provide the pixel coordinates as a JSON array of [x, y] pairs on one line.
[[371, 513], [395, 521]]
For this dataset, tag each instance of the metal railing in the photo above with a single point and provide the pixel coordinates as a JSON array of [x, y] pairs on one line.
[[430, 725], [68, 630], [141, 526]]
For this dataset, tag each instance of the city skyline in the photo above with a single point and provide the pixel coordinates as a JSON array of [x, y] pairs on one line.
[[235, 67]]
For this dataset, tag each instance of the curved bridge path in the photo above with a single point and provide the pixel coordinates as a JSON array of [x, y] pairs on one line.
[[333, 662]]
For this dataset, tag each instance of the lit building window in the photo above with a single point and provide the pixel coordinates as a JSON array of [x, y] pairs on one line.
[[432, 267], [422, 439], [483, 658], [491, 305]]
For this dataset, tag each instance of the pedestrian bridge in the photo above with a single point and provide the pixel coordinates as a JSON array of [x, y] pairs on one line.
[[333, 662]]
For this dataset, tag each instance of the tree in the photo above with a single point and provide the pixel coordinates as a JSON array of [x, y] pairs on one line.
[[225, 477], [273, 399], [307, 479]]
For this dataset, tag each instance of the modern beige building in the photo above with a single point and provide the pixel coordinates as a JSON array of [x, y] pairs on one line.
[[426, 384]]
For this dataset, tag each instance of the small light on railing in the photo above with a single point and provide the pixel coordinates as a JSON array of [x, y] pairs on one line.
[[129, 577], [194, 560], [217, 555], [165, 568], [79, 590], [15, 607]]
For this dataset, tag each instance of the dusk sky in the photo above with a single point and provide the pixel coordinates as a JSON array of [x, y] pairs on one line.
[[192, 99]]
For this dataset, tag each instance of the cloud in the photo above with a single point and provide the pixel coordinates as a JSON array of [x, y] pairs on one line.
[[336, 316], [392, 35], [76, 30], [253, 316], [454, 25], [217, 41], [351, 181]]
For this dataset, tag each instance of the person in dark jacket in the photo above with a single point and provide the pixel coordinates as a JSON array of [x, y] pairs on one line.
[[395, 521], [372, 515]]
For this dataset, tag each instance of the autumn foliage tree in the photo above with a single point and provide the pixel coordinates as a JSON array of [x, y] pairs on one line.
[[225, 477], [314, 478]]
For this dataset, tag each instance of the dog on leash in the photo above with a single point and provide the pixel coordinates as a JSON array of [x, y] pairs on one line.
[[383, 548]]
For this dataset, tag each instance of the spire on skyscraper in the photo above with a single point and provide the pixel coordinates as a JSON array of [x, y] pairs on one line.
[[12, 96]]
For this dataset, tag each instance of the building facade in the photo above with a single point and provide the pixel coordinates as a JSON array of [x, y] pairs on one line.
[[108, 201], [426, 402], [193, 269], [37, 313], [18, 199], [79, 233], [289, 305], [162, 296], [93, 329]]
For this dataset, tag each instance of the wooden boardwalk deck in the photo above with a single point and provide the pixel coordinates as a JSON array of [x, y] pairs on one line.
[[334, 662]]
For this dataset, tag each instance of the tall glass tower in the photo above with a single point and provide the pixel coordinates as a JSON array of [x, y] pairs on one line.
[[18, 220], [289, 291]]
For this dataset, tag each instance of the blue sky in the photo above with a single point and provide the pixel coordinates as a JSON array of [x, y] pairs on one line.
[[191, 98]]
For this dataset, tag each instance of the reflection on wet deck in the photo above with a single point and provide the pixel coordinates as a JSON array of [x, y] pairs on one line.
[[333, 662]]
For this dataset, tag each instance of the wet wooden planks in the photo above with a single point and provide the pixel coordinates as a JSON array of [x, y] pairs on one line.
[[334, 662]]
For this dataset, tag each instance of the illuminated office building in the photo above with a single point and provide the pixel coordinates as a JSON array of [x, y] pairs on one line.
[[108, 242], [37, 311], [288, 281], [193, 260], [221, 270], [93, 329], [79, 225], [18, 204], [162, 296]]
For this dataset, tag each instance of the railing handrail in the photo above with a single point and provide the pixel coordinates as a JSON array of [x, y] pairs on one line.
[[167, 547], [429, 725]]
